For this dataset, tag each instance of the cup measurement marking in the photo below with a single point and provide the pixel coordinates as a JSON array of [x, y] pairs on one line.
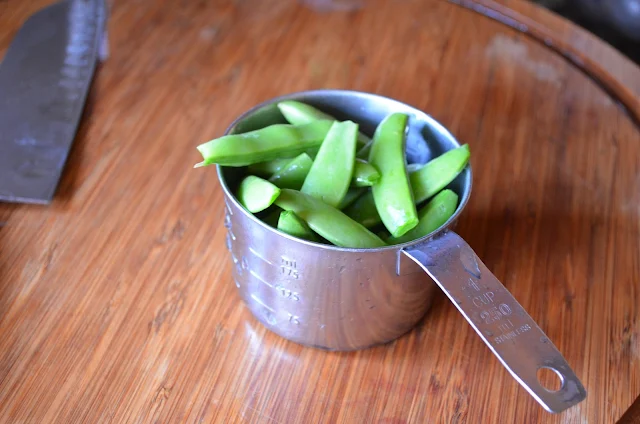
[[293, 319], [227, 223], [288, 294], [289, 267], [226, 203], [259, 256], [259, 278], [260, 302], [283, 292], [493, 315]]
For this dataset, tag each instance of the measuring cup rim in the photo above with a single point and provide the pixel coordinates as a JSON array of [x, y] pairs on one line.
[[330, 92]]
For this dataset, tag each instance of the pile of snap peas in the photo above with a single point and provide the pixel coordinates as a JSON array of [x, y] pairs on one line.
[[323, 180]]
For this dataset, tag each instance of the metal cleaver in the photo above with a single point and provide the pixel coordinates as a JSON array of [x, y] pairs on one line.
[[44, 81]]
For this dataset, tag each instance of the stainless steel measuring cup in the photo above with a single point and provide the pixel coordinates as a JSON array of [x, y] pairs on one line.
[[343, 299]]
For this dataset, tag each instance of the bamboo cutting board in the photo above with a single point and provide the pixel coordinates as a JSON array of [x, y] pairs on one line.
[[117, 302]]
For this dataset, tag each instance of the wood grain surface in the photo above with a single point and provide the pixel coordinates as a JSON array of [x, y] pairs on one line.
[[117, 302]]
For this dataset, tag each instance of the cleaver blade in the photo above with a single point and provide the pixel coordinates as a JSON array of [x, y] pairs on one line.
[[44, 81]]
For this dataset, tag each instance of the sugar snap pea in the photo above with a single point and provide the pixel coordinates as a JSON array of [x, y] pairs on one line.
[[332, 170], [430, 178], [352, 194], [413, 167], [293, 174], [268, 168], [329, 183], [363, 210], [272, 142], [301, 113], [432, 216], [329, 222], [438, 173], [392, 194], [297, 112], [257, 194], [363, 153], [364, 174], [291, 224], [383, 234], [312, 152]]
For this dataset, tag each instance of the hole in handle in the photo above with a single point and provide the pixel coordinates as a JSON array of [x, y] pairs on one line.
[[550, 379]]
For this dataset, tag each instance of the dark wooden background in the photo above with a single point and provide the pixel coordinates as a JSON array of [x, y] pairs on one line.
[[117, 303]]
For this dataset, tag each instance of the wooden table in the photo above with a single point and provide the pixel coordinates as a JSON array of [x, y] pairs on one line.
[[117, 303]]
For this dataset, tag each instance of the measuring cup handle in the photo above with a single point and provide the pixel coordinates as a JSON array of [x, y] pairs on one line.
[[498, 318]]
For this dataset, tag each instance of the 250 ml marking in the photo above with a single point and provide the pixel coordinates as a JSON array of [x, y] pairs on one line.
[[495, 314]]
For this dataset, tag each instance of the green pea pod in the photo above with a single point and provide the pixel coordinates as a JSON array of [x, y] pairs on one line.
[[330, 175], [383, 234], [257, 194], [313, 152], [291, 224], [364, 151], [268, 168], [364, 174], [352, 194], [432, 216], [301, 113], [272, 142], [392, 194], [329, 222], [413, 167], [438, 173], [294, 173], [363, 210]]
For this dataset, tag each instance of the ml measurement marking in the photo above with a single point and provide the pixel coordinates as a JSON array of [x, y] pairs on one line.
[[257, 300], [259, 256], [259, 278]]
